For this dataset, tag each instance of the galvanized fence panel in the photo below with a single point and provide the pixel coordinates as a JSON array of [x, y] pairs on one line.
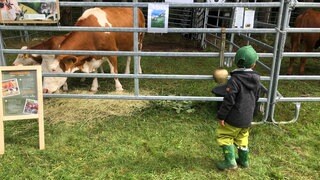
[[275, 52]]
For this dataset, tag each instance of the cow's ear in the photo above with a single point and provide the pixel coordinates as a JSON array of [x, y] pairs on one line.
[[67, 62], [25, 56], [34, 56], [24, 47]]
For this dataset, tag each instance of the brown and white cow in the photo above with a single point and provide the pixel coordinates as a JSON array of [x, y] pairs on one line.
[[103, 41], [36, 59], [308, 19], [50, 44]]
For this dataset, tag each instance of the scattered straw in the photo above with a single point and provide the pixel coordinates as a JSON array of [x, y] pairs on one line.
[[84, 110]]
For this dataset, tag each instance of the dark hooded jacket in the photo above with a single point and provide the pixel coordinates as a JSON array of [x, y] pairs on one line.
[[242, 94]]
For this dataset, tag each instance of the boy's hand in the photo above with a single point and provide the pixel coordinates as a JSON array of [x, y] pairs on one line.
[[221, 122]]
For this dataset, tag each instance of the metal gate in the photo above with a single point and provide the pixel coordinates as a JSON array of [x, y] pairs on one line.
[[275, 52]]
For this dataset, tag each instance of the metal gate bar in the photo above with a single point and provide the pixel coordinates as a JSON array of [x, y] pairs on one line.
[[280, 31]]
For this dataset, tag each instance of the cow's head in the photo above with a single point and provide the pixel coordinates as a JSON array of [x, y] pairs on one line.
[[27, 59], [60, 64]]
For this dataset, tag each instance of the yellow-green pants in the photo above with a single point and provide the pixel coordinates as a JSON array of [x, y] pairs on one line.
[[229, 135]]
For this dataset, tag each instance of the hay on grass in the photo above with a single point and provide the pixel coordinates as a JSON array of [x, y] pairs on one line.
[[85, 110]]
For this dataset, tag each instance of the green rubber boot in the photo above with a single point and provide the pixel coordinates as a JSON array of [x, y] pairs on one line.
[[243, 160], [229, 158]]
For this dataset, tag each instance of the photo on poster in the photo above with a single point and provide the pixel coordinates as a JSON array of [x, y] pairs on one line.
[[30, 106], [10, 87], [17, 11], [158, 17]]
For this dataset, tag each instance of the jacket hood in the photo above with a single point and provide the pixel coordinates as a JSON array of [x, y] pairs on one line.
[[250, 79]]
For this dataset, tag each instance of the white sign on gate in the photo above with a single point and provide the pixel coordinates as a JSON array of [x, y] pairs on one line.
[[158, 16], [239, 12], [244, 18], [248, 18], [215, 1], [179, 1]]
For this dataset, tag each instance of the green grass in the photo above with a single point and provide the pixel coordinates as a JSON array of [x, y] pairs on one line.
[[157, 141], [158, 22]]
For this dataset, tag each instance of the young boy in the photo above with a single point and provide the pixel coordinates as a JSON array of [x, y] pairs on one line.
[[236, 111]]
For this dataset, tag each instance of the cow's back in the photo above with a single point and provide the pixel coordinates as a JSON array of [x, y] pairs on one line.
[[302, 40], [112, 17], [51, 43], [308, 19], [123, 17]]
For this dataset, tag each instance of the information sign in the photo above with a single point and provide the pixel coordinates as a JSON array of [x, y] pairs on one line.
[[29, 11], [21, 97]]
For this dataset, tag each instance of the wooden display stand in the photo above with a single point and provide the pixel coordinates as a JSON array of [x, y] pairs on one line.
[[21, 98]]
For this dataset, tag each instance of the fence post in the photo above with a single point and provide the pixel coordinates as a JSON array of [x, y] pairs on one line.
[[2, 59], [222, 46], [283, 22]]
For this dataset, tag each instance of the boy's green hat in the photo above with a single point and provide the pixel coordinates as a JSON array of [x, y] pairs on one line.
[[246, 56]]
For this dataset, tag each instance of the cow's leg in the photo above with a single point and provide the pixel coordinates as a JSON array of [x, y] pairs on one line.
[[65, 86], [140, 47], [128, 65], [303, 61], [114, 70], [290, 68], [140, 69], [95, 85], [295, 42], [84, 78], [127, 71], [309, 48]]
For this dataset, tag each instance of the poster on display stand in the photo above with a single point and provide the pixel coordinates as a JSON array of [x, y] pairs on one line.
[[158, 15], [21, 98], [29, 11]]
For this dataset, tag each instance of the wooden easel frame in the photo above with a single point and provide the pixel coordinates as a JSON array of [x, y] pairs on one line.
[[38, 115]]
